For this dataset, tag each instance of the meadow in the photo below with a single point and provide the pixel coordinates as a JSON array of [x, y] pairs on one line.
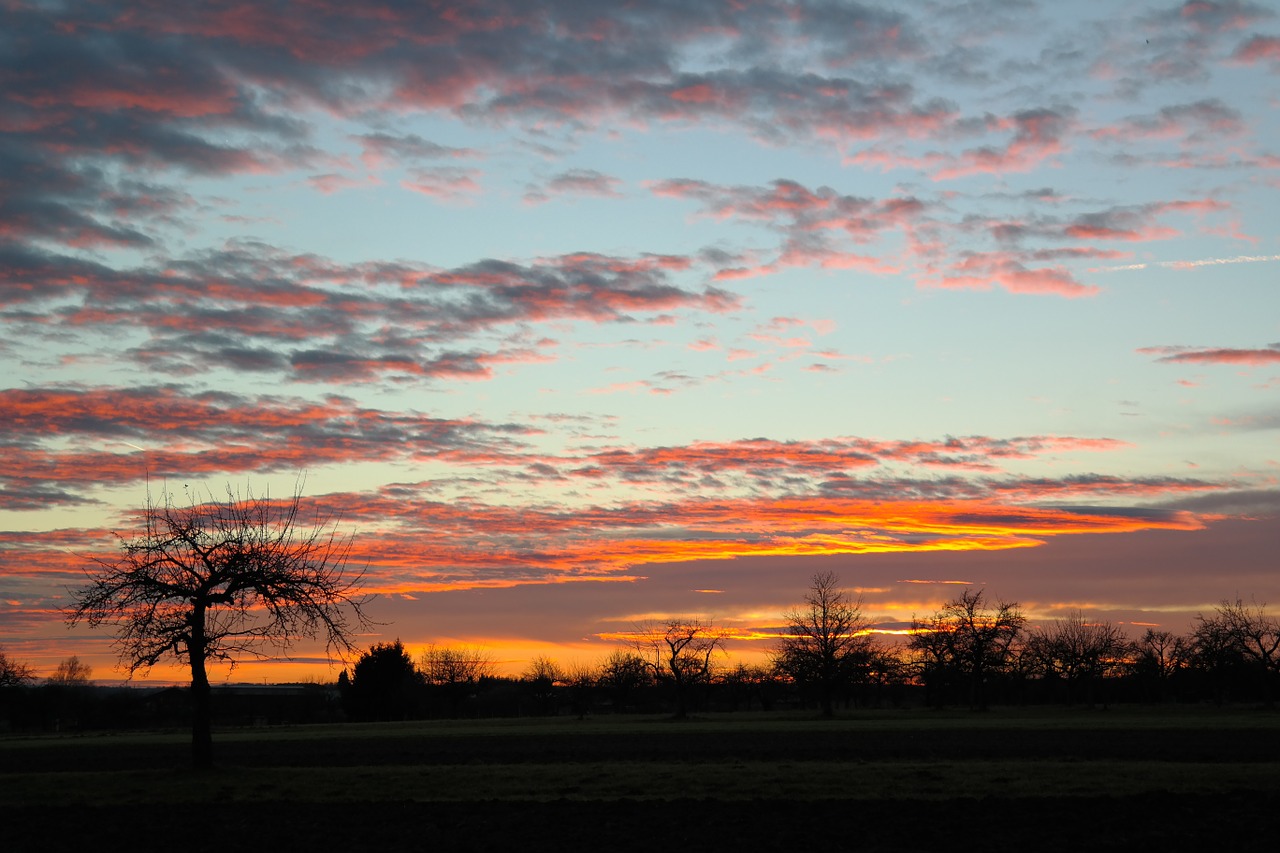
[[1049, 778]]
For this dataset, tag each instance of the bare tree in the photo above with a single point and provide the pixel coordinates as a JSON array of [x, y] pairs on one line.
[[1157, 657], [14, 673], [580, 679], [455, 664], [747, 684], [543, 669], [621, 674], [1216, 654], [455, 671], [679, 651], [1078, 651], [970, 638], [71, 673], [1255, 636], [828, 642], [217, 581], [541, 677]]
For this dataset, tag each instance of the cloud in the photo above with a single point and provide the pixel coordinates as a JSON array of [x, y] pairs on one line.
[[429, 545], [332, 182], [1201, 262], [822, 228], [1259, 49], [412, 545], [253, 306], [446, 183], [71, 438], [809, 220], [793, 207], [1037, 134], [1216, 355], [574, 182], [382, 150], [1208, 16], [1207, 121], [981, 270], [579, 64], [1136, 223], [62, 442]]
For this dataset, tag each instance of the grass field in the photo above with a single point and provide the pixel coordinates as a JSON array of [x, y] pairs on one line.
[[1051, 779]]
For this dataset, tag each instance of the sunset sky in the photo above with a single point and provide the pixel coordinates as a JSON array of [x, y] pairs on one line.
[[578, 314]]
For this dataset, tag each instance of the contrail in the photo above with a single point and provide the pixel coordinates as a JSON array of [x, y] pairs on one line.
[[1186, 265]]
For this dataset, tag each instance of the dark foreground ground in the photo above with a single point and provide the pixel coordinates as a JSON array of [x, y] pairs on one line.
[[1149, 822], [1000, 782]]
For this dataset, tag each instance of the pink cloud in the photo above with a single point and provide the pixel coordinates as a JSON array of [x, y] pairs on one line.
[[445, 183], [981, 270], [1206, 121], [1259, 49], [575, 182], [1037, 135], [1215, 355], [332, 182]]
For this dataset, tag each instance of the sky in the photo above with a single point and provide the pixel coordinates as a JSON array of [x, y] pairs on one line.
[[582, 314]]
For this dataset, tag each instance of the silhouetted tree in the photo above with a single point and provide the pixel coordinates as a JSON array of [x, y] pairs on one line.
[[1216, 654], [67, 694], [383, 683], [1255, 636], [218, 580], [934, 660], [14, 673], [455, 671], [540, 679], [828, 646], [747, 684], [580, 680], [1077, 651], [889, 672], [622, 674], [679, 652], [71, 673], [971, 639], [1158, 656]]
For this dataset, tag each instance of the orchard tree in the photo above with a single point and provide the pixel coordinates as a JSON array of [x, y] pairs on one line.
[[679, 651], [220, 580], [455, 671], [622, 674], [450, 665], [580, 679], [1252, 635], [827, 641], [541, 677], [971, 638], [1078, 651], [1158, 657]]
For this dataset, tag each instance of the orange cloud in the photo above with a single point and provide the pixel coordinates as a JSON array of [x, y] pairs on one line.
[[459, 546]]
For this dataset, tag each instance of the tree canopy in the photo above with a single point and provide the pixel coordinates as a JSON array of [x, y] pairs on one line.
[[827, 640], [218, 580]]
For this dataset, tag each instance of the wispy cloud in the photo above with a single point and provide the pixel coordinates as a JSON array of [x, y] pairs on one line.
[[1259, 357], [1201, 262]]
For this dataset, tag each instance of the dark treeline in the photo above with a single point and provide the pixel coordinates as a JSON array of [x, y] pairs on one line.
[[973, 653]]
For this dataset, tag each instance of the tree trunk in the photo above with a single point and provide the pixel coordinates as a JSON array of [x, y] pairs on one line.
[[201, 698], [828, 704]]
